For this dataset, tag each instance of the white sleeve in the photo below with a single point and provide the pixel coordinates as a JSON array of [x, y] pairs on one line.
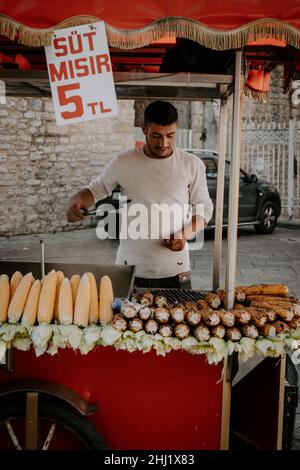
[[103, 185], [199, 196]]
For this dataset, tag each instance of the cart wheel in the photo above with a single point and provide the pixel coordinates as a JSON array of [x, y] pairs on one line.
[[59, 427]]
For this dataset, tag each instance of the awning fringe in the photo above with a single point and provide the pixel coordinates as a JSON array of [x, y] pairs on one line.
[[170, 26], [260, 96]]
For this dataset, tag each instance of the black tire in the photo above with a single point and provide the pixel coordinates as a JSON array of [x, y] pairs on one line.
[[267, 218], [75, 426]]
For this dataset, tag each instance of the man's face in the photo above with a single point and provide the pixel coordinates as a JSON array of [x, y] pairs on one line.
[[160, 140]]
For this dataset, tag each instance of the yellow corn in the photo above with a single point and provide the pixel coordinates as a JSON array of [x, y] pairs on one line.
[[60, 276], [106, 297], [75, 280], [18, 301], [65, 303], [82, 302], [14, 282], [94, 307], [4, 297], [31, 306], [47, 298]]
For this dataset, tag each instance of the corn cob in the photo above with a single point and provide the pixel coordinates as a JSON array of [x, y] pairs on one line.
[[177, 314], [213, 300], [82, 302], [233, 334], [294, 324], [265, 307], [165, 330], [147, 299], [239, 294], [135, 325], [238, 305], [106, 297], [259, 318], [31, 306], [242, 316], [4, 297], [201, 332], [146, 312], [227, 317], [65, 303], [272, 298], [75, 280], [268, 330], [280, 326], [218, 331], [151, 326], [270, 289], [250, 331], [202, 304], [294, 307], [161, 315], [14, 282], [193, 317], [94, 305], [161, 301], [18, 301], [119, 322], [181, 331], [47, 298], [283, 313], [60, 277], [210, 317], [190, 305]]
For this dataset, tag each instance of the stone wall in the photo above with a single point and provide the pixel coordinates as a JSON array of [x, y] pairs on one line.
[[42, 164]]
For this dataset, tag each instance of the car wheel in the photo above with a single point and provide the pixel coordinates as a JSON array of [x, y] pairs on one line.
[[267, 218]]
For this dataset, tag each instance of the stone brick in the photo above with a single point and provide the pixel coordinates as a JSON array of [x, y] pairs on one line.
[[29, 115], [37, 105]]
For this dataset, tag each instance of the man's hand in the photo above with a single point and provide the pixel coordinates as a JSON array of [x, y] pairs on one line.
[[80, 201], [176, 242], [74, 213]]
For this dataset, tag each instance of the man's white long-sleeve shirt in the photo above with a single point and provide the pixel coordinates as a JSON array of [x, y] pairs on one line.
[[156, 185]]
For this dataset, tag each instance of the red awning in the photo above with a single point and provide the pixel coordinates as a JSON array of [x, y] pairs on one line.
[[218, 24]]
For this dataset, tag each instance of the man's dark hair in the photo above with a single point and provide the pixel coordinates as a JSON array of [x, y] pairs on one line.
[[161, 113]]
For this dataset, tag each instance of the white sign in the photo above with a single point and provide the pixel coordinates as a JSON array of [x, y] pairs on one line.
[[80, 74]]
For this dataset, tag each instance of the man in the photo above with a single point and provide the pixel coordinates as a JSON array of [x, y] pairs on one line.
[[157, 177]]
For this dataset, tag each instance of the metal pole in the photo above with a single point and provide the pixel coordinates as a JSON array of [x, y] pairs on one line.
[[42, 245], [220, 196], [231, 260], [291, 168]]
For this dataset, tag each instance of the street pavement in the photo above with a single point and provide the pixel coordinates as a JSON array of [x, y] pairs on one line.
[[271, 258], [261, 258]]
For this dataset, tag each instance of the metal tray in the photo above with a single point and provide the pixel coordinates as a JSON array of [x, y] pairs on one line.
[[122, 277]]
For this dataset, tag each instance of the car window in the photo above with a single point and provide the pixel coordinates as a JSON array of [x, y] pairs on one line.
[[211, 167]]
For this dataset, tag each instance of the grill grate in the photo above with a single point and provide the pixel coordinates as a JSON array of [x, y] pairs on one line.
[[175, 296]]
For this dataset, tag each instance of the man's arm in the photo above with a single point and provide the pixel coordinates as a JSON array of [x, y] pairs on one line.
[[178, 239], [98, 188], [81, 200]]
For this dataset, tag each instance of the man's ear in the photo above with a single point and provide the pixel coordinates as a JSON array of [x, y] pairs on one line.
[[144, 129]]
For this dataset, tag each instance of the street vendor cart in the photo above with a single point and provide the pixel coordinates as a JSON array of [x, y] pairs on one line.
[[61, 389]]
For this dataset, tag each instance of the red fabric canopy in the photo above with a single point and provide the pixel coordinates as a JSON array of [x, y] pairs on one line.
[[219, 24], [219, 14]]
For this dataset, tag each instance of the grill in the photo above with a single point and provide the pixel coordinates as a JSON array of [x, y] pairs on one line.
[[175, 296]]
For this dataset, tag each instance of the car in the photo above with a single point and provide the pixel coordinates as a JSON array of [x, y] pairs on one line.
[[259, 200]]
